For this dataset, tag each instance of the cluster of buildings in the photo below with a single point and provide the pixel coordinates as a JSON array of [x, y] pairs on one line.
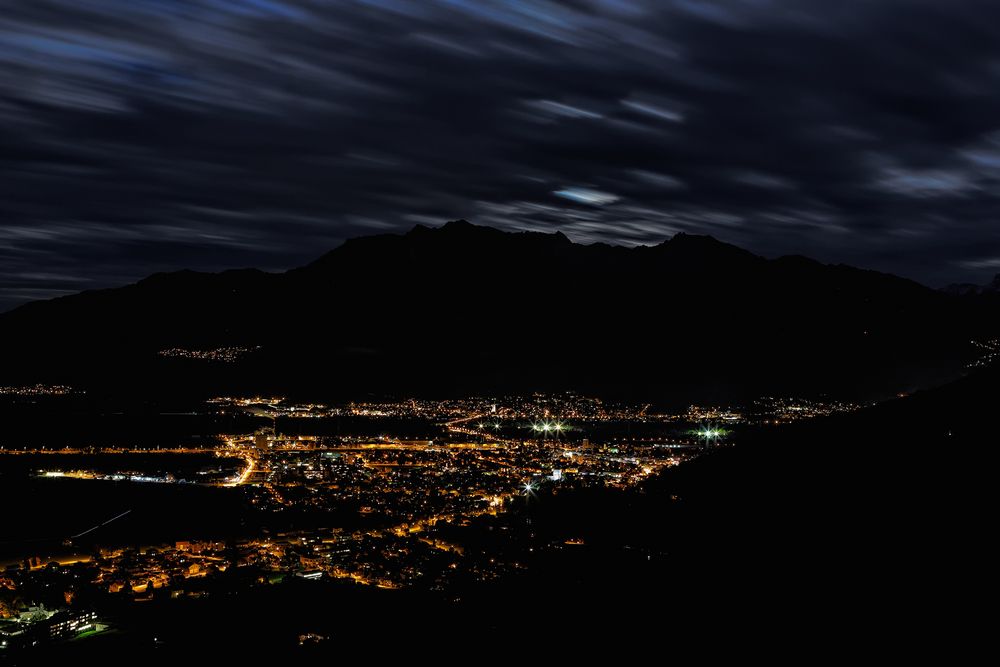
[[567, 405], [388, 557], [214, 476], [145, 573], [37, 625], [769, 410], [227, 355], [36, 390], [271, 406], [418, 481], [407, 512], [989, 352], [395, 496]]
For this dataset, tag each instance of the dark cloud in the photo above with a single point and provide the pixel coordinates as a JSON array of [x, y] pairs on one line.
[[144, 135]]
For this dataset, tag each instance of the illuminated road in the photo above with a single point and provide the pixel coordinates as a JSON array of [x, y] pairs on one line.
[[462, 420], [245, 475]]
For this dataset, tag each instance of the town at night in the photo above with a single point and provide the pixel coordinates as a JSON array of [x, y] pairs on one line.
[[497, 330]]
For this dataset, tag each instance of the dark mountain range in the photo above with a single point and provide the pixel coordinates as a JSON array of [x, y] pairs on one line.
[[464, 308], [992, 288]]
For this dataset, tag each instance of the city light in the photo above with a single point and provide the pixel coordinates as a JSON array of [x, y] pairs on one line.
[[548, 427], [451, 475]]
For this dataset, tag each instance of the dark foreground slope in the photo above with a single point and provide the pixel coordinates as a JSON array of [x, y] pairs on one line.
[[866, 533], [868, 526], [472, 309]]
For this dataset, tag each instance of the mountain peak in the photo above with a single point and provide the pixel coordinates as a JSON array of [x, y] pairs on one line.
[[972, 289], [464, 228], [463, 231], [450, 227], [688, 248], [460, 224]]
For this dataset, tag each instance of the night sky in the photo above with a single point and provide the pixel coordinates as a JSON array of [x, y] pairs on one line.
[[149, 135]]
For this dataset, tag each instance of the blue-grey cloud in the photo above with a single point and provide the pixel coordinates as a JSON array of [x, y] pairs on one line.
[[145, 135]]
